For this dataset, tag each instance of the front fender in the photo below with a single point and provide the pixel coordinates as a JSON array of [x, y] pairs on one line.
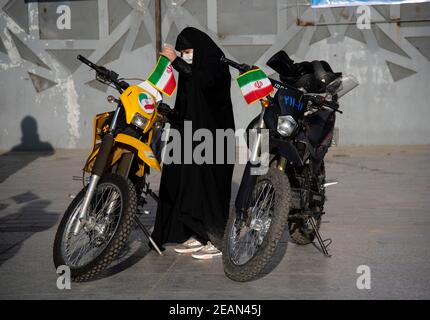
[[144, 152]]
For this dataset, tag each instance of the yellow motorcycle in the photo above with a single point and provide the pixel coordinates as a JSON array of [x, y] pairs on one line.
[[126, 145]]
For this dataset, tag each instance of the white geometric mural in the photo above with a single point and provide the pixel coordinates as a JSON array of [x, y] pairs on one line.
[[39, 42], [30, 29]]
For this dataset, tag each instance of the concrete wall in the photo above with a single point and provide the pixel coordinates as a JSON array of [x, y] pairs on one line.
[[48, 99]]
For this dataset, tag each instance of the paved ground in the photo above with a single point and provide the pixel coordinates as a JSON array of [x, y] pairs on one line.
[[377, 216]]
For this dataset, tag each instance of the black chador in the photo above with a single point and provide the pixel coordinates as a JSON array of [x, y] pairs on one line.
[[195, 198]]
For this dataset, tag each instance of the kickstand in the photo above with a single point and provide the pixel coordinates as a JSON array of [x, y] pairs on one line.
[[148, 235], [321, 242]]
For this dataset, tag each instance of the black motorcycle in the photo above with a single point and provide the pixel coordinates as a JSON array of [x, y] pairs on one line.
[[299, 120]]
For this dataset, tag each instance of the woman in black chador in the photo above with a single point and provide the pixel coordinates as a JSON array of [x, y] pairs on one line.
[[195, 198]]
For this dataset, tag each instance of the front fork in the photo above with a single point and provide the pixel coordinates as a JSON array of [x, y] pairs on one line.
[[256, 146], [97, 172], [92, 185], [249, 177]]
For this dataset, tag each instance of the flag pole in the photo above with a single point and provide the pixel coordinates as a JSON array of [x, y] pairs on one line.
[[157, 28]]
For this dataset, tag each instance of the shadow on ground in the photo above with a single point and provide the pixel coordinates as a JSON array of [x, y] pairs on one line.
[[135, 250], [17, 227], [31, 148]]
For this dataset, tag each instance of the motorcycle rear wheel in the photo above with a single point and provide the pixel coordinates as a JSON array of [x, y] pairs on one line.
[[110, 222], [249, 246]]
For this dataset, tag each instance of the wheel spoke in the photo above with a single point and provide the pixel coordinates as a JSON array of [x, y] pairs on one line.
[[247, 237], [98, 229]]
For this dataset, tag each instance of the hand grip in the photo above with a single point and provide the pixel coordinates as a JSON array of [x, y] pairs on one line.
[[241, 67], [86, 61], [101, 71], [320, 101]]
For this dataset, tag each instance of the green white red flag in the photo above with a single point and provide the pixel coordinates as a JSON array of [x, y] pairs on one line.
[[162, 77], [150, 88], [254, 85]]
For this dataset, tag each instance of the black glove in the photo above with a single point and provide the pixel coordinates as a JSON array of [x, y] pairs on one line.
[[170, 114], [164, 109]]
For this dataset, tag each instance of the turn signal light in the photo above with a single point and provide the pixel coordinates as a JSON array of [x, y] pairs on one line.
[[265, 103]]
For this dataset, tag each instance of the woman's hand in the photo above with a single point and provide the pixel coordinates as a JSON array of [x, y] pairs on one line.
[[169, 53]]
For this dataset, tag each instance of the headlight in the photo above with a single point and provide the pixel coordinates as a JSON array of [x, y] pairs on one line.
[[139, 121], [286, 125]]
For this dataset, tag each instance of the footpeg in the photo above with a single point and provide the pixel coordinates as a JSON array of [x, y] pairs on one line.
[[330, 183], [141, 211]]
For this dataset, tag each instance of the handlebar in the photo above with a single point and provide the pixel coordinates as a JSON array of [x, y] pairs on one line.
[[87, 62], [242, 67], [320, 100], [317, 99], [105, 74]]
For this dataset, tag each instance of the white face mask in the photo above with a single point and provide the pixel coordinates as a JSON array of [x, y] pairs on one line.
[[188, 57]]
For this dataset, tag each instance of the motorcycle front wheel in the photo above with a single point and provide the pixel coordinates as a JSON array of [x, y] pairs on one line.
[[106, 230], [252, 236]]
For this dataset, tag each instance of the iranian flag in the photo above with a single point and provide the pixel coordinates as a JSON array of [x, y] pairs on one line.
[[254, 85], [162, 77], [145, 85]]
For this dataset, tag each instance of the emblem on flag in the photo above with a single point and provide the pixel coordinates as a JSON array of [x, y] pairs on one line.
[[146, 103], [162, 77], [254, 85]]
